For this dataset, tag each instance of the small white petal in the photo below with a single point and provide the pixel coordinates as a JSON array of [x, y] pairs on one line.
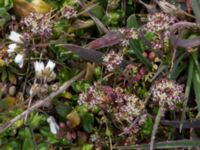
[[11, 48], [53, 125], [39, 66], [19, 59], [15, 37], [51, 65]]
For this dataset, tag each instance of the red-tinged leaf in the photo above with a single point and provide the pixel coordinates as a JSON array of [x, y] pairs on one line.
[[87, 54], [179, 41], [109, 39], [90, 55], [188, 6]]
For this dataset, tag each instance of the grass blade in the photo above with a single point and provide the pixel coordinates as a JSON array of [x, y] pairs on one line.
[[187, 90], [138, 52], [176, 70], [195, 7], [164, 145]]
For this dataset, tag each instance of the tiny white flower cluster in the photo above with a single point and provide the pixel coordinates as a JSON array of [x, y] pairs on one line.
[[157, 44], [128, 35], [167, 92], [125, 107], [38, 24], [159, 22], [45, 72], [69, 12], [13, 47], [129, 108], [91, 101], [112, 60]]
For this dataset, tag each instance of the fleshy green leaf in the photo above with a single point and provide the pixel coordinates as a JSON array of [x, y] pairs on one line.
[[88, 121]]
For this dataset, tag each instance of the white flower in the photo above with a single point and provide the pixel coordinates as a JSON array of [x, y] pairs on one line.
[[19, 59], [50, 65], [15, 37], [39, 67], [53, 125], [12, 47]]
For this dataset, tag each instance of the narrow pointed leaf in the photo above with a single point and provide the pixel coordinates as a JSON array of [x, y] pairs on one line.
[[109, 39], [164, 145]]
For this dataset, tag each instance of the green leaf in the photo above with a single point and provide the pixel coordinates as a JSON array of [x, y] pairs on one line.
[[132, 22], [136, 48], [65, 74], [187, 89], [52, 139], [25, 133], [177, 69], [63, 110], [98, 11], [81, 86], [7, 4], [4, 17], [43, 146], [4, 75], [196, 83], [196, 79], [60, 27], [146, 128], [149, 36], [36, 120], [28, 143], [87, 121], [87, 147]]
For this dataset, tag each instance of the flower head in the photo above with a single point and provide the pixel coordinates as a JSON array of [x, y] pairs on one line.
[[19, 59], [69, 12], [125, 107], [45, 72], [159, 22], [112, 60], [129, 33], [15, 37], [167, 92], [38, 24]]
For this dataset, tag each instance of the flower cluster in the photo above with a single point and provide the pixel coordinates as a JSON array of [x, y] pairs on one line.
[[157, 44], [128, 107], [69, 12], [134, 73], [45, 72], [15, 48], [38, 24], [159, 22], [112, 60], [125, 107], [128, 34], [168, 93]]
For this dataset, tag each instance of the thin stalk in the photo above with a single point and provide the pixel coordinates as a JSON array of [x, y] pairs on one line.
[[155, 127]]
